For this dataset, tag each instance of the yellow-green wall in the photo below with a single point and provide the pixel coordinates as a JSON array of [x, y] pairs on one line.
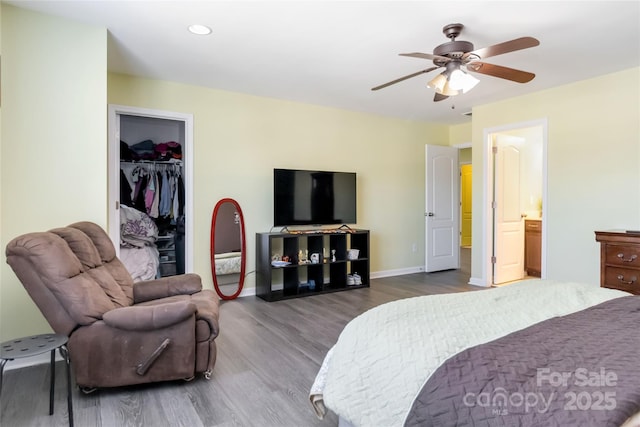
[[239, 139], [53, 168], [460, 134], [593, 175]]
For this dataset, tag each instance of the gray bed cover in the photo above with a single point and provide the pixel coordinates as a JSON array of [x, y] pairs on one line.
[[582, 369]]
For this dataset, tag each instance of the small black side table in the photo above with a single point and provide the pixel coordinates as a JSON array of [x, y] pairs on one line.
[[32, 346]]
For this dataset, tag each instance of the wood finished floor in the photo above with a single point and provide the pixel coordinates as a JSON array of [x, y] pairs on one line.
[[268, 357]]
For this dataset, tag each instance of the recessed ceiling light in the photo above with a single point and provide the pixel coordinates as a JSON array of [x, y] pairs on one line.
[[201, 30]]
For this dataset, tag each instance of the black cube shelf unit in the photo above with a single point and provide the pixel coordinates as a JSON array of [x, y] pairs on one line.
[[292, 281]]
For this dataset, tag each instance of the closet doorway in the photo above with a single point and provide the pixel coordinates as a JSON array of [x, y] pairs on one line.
[[151, 190]]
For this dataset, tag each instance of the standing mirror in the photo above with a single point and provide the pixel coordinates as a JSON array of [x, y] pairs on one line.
[[228, 256]]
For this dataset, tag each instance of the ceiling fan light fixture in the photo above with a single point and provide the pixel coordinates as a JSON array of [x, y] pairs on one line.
[[441, 85], [438, 82], [447, 90], [459, 80], [452, 81]]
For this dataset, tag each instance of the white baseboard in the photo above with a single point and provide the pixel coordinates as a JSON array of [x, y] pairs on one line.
[[478, 282], [247, 292], [231, 289], [397, 272]]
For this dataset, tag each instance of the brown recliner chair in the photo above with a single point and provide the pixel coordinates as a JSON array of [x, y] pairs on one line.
[[120, 332]]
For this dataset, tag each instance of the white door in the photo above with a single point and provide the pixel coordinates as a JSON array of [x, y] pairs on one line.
[[509, 223], [442, 210]]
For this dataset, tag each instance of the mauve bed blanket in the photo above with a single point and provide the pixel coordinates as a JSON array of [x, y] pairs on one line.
[[581, 369]]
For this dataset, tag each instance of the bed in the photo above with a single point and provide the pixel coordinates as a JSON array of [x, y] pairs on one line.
[[228, 266], [138, 250], [142, 263], [228, 263], [479, 358]]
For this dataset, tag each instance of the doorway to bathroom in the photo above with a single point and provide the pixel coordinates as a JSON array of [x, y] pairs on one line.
[[515, 165]]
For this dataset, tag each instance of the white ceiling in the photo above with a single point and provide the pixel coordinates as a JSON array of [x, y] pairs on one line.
[[332, 53]]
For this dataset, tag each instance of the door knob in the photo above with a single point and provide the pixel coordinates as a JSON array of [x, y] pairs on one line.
[[429, 214]]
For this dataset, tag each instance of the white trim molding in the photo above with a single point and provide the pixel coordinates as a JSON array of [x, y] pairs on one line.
[[397, 272], [475, 281]]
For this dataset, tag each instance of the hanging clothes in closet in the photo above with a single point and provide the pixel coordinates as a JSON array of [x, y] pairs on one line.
[[151, 184], [155, 188]]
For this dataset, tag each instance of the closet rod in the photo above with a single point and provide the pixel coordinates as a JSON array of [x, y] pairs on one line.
[[152, 162]]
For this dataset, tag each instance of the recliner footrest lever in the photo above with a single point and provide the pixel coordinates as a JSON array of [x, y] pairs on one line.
[[143, 367]]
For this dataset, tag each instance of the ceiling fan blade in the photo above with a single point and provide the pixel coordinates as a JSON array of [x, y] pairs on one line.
[[502, 48], [426, 56], [501, 72], [438, 97], [404, 78]]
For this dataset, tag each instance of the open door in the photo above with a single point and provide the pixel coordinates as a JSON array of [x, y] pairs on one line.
[[509, 223], [442, 224]]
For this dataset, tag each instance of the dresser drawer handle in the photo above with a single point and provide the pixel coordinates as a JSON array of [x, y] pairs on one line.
[[630, 259], [627, 282]]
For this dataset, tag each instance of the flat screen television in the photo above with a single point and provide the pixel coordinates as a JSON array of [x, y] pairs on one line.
[[304, 197]]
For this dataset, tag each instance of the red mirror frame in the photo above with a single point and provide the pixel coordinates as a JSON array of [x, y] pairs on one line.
[[243, 255]]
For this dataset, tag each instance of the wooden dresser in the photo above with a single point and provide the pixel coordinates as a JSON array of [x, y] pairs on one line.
[[533, 247], [619, 260]]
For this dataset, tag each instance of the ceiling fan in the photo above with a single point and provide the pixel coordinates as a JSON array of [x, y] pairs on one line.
[[456, 55]]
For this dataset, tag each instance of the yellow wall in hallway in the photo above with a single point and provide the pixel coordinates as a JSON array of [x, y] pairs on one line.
[[466, 205]]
